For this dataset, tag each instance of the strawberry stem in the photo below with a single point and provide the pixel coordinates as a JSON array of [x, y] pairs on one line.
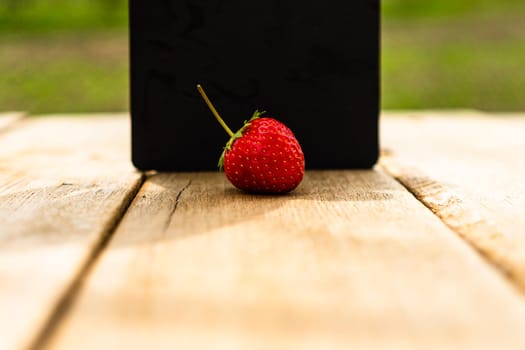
[[213, 110]]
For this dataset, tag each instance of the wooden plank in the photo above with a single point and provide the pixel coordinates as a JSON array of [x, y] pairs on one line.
[[64, 182], [469, 170], [7, 119], [349, 260]]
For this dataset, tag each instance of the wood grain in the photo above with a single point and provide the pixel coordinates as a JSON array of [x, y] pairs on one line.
[[351, 260], [8, 119], [64, 182], [469, 169]]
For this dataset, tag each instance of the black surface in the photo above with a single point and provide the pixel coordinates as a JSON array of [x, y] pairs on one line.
[[314, 65]]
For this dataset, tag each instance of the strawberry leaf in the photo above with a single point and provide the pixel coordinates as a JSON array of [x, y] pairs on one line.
[[238, 134]]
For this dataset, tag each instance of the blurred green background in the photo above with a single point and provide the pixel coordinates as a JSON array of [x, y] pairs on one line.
[[72, 55]]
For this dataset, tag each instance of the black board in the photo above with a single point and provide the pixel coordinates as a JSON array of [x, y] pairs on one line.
[[314, 65]]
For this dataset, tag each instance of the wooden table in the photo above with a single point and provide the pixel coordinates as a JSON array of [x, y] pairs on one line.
[[426, 251]]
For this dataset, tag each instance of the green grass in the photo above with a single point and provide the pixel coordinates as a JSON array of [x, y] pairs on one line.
[[72, 55], [65, 73], [418, 9], [51, 16], [63, 56], [463, 62]]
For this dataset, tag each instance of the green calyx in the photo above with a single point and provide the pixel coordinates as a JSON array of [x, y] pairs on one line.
[[238, 134]]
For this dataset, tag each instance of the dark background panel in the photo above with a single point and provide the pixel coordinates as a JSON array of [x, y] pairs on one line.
[[313, 65]]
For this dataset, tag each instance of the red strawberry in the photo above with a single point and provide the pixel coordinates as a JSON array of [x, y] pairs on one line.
[[263, 156]]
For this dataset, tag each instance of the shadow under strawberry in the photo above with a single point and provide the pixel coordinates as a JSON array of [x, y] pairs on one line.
[[182, 206]]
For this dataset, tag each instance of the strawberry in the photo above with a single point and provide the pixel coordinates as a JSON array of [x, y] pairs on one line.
[[263, 156]]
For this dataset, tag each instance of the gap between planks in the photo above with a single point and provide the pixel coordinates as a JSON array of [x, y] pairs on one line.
[[460, 215], [71, 291], [63, 184], [467, 168]]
